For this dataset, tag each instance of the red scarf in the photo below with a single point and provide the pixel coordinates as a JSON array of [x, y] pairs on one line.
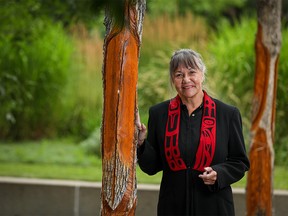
[[206, 148]]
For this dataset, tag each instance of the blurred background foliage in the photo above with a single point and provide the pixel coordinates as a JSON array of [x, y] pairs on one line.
[[51, 64]]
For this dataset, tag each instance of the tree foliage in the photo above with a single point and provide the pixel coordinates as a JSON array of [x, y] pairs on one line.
[[213, 12], [231, 69], [35, 59], [34, 64]]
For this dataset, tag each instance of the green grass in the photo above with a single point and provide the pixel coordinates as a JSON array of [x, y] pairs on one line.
[[51, 171], [68, 172], [56, 152], [65, 159]]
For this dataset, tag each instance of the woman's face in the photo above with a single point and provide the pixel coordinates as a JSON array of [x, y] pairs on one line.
[[187, 81]]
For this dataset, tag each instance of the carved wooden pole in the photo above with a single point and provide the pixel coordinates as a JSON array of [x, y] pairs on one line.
[[267, 47], [119, 134]]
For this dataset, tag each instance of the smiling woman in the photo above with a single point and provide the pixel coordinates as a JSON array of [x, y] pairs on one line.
[[187, 73], [197, 142]]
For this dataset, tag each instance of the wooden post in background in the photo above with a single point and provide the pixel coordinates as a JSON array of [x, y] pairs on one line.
[[267, 47], [123, 21]]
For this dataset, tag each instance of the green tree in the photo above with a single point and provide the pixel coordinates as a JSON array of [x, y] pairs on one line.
[[34, 64]]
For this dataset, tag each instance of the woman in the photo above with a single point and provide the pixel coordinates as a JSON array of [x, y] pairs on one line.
[[196, 141]]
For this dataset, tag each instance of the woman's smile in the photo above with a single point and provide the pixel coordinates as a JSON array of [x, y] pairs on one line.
[[188, 86], [187, 81]]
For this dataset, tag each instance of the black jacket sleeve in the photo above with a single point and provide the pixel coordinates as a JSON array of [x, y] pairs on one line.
[[237, 162]]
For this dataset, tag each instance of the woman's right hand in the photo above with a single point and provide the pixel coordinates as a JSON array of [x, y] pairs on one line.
[[142, 130]]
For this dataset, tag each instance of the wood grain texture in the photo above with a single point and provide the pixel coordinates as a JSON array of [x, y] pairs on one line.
[[119, 133], [267, 48]]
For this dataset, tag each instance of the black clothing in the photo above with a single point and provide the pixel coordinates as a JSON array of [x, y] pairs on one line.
[[183, 192]]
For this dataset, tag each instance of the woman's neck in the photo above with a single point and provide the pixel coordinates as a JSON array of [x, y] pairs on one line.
[[194, 102]]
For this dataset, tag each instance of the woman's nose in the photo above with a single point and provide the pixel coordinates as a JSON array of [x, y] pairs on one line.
[[185, 78]]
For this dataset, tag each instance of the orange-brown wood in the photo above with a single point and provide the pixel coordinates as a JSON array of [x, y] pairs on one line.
[[259, 188], [267, 46], [120, 94], [260, 80], [119, 134], [259, 176]]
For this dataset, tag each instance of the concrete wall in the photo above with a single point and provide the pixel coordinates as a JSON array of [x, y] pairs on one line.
[[35, 197]]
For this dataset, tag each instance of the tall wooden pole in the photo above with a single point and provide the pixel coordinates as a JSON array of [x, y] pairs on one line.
[[119, 134], [267, 47]]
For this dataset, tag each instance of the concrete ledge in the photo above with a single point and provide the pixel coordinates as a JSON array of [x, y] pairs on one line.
[[41, 197]]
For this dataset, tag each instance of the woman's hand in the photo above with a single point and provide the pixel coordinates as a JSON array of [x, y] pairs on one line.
[[142, 130], [209, 176]]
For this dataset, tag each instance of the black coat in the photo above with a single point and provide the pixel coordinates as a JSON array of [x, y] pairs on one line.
[[183, 192]]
